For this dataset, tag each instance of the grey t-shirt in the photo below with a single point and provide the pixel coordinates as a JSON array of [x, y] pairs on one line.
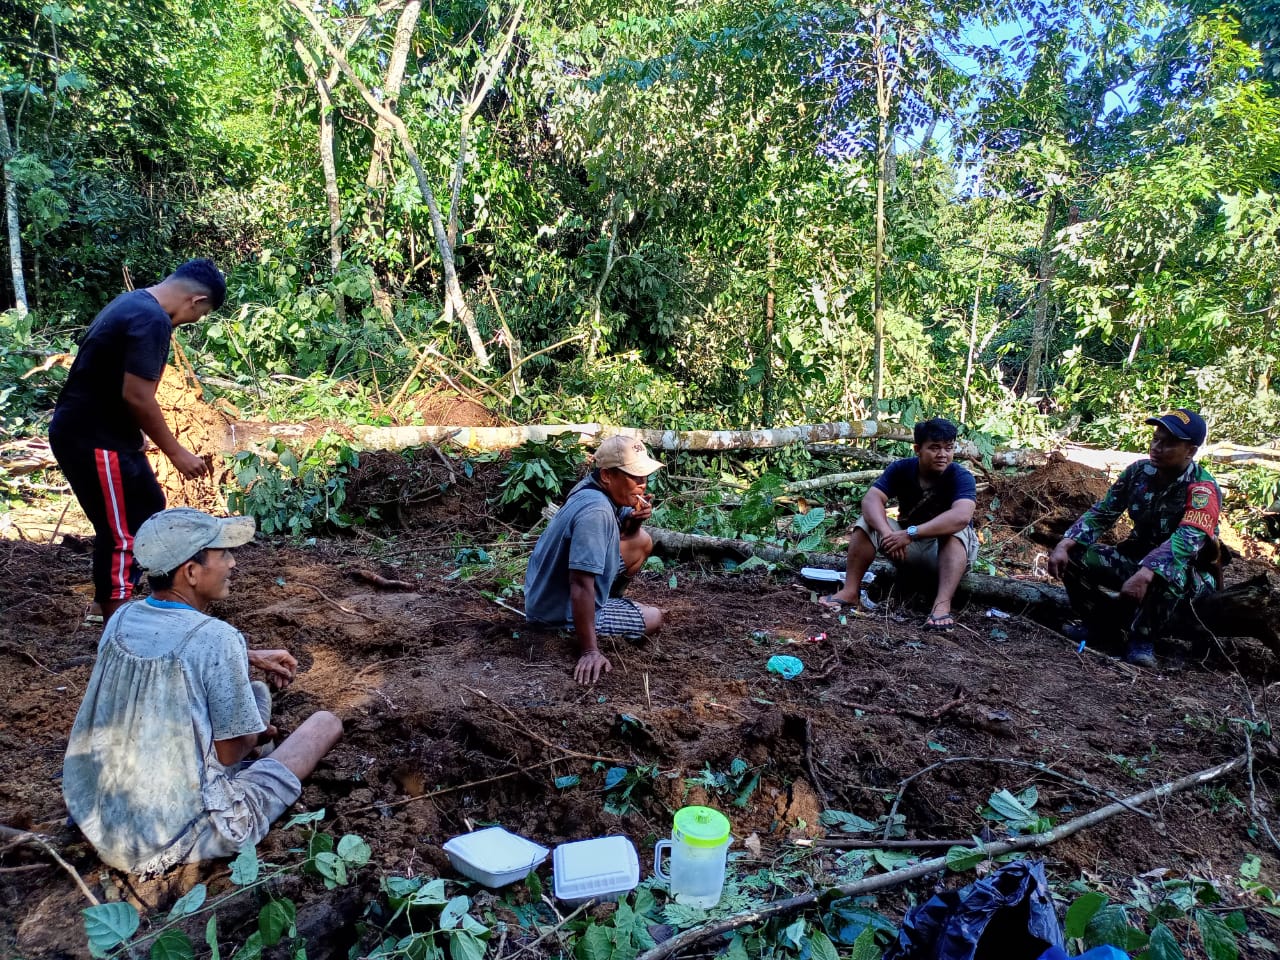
[[141, 765], [582, 536]]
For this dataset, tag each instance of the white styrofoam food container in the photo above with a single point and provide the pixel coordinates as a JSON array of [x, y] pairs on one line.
[[602, 869], [494, 856]]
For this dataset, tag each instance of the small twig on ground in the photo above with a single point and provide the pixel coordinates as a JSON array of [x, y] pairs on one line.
[[900, 711], [453, 477], [388, 804], [504, 606], [808, 763], [1038, 767], [368, 576], [543, 740], [553, 931], [58, 526], [896, 877], [334, 603], [26, 836]]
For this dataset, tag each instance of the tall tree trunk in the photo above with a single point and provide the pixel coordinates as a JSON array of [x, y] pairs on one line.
[[11, 217], [1044, 284], [330, 170], [453, 290], [882, 162], [380, 152]]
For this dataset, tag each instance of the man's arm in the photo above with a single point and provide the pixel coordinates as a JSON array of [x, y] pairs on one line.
[[582, 600], [230, 752], [952, 521], [140, 397], [875, 510], [280, 666]]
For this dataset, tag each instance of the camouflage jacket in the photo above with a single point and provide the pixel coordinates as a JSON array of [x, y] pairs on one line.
[[1170, 525]]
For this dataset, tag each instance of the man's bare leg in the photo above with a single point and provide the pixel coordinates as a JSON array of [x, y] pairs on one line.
[[861, 553], [952, 563], [635, 550], [305, 747]]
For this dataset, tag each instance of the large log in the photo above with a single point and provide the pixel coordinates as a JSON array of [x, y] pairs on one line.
[[1250, 608], [246, 433]]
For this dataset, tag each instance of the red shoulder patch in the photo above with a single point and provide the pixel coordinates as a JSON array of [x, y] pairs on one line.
[[1202, 508]]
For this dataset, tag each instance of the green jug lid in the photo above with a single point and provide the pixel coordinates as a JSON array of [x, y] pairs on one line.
[[701, 826]]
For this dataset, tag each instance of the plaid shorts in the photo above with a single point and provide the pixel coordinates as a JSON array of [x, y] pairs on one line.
[[620, 617]]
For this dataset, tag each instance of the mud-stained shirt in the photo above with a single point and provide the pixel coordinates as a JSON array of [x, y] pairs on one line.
[[141, 764], [1170, 524]]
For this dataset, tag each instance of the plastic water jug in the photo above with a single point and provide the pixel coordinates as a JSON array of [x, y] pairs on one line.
[[699, 846]]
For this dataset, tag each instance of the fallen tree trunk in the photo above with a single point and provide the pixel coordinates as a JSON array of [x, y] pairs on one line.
[[1033, 597], [1249, 608], [936, 865], [503, 438]]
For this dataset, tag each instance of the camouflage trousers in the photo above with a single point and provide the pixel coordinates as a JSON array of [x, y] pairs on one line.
[[1093, 579]]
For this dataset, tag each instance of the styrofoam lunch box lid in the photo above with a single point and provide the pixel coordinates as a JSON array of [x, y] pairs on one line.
[[602, 868], [494, 856]]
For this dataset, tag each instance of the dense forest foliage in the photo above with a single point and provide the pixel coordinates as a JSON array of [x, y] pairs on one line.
[[1025, 215]]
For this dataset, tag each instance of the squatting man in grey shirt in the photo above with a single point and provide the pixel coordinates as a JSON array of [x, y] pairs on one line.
[[589, 552], [158, 768]]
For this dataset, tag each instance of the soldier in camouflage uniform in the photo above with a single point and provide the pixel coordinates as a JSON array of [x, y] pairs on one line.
[[1168, 560]]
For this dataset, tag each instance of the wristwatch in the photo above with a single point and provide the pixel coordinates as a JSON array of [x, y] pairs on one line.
[[912, 531]]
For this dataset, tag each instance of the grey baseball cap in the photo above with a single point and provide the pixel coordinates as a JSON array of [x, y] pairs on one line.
[[170, 538]]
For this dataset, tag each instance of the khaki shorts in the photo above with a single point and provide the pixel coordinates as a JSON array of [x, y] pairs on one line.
[[923, 552]]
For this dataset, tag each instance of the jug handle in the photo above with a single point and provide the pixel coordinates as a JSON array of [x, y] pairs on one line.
[[657, 861]]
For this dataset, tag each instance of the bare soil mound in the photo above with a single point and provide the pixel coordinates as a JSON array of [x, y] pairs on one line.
[[443, 407], [458, 714], [1043, 503], [202, 430]]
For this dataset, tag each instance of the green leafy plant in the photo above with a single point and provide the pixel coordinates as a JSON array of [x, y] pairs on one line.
[[1016, 812], [435, 922], [739, 781], [111, 928], [286, 493], [536, 473], [623, 785]]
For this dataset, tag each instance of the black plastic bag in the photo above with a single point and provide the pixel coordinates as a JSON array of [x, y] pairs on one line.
[[1007, 915]]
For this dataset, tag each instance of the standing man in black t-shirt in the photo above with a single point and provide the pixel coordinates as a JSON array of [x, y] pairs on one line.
[[936, 499], [109, 402]]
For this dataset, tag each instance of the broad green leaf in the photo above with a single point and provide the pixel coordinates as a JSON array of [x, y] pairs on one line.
[[1252, 867], [172, 945], [1108, 925], [275, 919], [847, 822], [1218, 939], [211, 937], [594, 944], [301, 819], [245, 867], [465, 946], [960, 859], [354, 850], [737, 949], [251, 949], [794, 933], [430, 895], [1163, 945], [891, 859], [332, 867], [821, 947], [452, 913], [864, 948], [1081, 912], [107, 925], [189, 903], [534, 885]]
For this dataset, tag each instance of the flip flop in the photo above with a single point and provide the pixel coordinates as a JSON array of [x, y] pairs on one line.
[[838, 606], [940, 623]]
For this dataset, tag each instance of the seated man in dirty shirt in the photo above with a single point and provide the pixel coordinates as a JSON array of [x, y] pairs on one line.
[[589, 552], [936, 499], [157, 770]]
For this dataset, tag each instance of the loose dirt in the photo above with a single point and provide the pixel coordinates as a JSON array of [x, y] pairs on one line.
[[445, 692]]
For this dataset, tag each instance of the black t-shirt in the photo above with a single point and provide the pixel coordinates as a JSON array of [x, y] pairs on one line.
[[131, 335], [901, 481]]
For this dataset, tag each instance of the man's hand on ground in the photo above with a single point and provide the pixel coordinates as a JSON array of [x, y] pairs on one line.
[[279, 666], [894, 545], [590, 666], [188, 464], [1059, 559], [1135, 588]]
